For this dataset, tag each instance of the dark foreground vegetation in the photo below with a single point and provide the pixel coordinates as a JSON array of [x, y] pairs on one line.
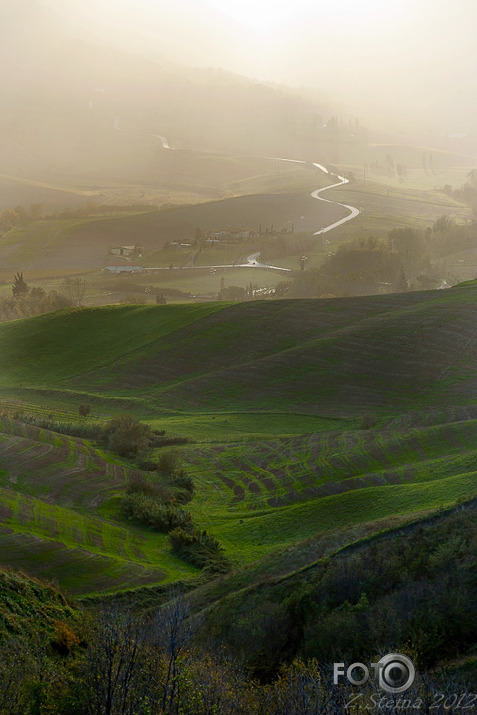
[[412, 590], [271, 653]]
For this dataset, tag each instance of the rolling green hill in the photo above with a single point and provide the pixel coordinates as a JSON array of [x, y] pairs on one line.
[[270, 395], [336, 357]]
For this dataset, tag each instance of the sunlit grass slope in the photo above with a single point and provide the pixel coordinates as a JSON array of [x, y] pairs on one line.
[[336, 357], [271, 394], [60, 516], [274, 494]]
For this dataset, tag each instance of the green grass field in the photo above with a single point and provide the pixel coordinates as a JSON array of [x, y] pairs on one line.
[[270, 395], [60, 516], [346, 355]]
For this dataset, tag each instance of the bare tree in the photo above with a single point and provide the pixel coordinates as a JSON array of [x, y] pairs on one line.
[[174, 627], [75, 289], [113, 664]]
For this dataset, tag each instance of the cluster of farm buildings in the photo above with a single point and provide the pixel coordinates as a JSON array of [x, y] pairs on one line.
[[128, 259], [124, 259]]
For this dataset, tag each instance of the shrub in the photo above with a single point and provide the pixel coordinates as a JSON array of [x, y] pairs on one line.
[[182, 480], [149, 511], [139, 484], [86, 430], [179, 537], [169, 461], [84, 410], [367, 421], [199, 548], [65, 639], [127, 436], [182, 485]]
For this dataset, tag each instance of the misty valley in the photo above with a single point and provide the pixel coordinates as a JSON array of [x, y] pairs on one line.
[[238, 359]]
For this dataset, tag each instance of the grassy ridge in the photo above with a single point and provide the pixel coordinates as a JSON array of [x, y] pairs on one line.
[[273, 494], [259, 534], [284, 471], [54, 347], [337, 357], [272, 392]]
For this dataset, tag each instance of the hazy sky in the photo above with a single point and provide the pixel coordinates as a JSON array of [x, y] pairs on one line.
[[402, 58], [274, 18], [391, 49]]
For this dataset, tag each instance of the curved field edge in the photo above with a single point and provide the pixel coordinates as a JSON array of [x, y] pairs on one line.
[[278, 472], [253, 536], [84, 553]]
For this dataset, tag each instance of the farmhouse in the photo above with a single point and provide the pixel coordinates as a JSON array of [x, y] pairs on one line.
[[124, 250], [119, 264]]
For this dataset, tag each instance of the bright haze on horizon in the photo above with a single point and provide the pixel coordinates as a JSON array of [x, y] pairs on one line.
[[401, 61]]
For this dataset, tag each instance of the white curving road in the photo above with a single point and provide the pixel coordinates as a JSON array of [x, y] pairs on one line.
[[163, 140], [252, 260], [316, 195]]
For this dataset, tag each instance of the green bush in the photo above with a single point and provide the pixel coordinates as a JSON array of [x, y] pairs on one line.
[[169, 462], [127, 436], [84, 410], [182, 486], [150, 512], [140, 484], [85, 430], [199, 548]]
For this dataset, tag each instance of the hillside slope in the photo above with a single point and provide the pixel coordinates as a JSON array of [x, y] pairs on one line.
[[337, 357], [60, 518], [270, 395]]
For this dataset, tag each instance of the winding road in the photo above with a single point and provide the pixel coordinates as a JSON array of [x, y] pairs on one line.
[[353, 212], [252, 260], [316, 195]]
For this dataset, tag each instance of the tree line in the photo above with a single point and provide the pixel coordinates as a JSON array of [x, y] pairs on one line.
[[18, 215], [406, 259], [27, 301]]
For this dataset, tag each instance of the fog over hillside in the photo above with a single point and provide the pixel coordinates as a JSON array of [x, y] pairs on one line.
[[72, 67], [402, 62], [221, 76]]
